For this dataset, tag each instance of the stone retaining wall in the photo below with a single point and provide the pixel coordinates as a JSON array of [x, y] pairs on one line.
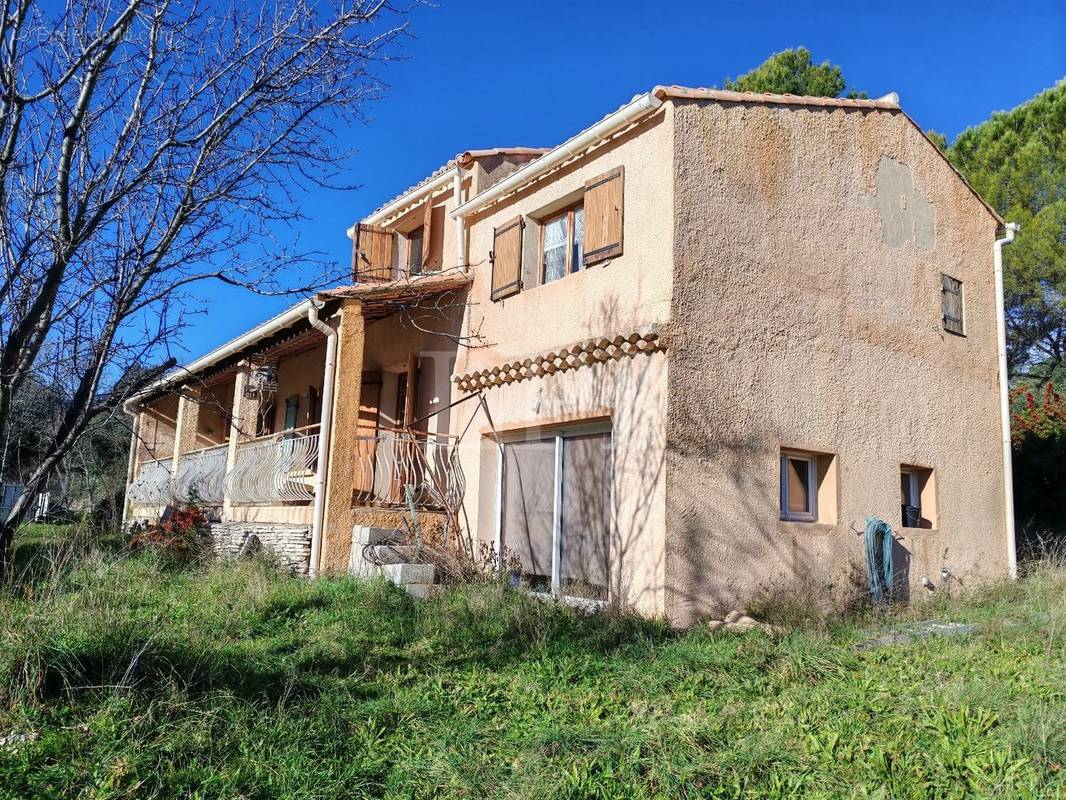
[[289, 544]]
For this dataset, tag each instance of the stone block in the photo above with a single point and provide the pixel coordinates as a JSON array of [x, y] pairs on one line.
[[421, 590], [403, 574]]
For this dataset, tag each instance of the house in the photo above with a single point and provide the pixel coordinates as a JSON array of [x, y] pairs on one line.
[[674, 362]]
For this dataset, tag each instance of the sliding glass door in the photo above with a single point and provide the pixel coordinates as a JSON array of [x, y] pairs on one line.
[[555, 515]]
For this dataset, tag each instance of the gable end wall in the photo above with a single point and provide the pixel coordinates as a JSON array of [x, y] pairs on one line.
[[800, 319]]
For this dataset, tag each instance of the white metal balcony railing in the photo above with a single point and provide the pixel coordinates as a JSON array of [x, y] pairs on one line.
[[152, 486], [392, 469], [389, 462], [201, 476], [275, 469]]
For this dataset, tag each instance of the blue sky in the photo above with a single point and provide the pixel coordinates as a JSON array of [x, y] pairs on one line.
[[487, 74]]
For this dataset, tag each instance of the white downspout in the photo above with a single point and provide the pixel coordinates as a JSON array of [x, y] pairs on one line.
[[131, 466], [460, 222], [324, 427], [1004, 398]]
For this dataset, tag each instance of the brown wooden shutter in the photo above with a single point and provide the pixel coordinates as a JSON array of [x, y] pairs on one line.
[[507, 259], [951, 303], [366, 436], [427, 235], [372, 254], [604, 216], [433, 239]]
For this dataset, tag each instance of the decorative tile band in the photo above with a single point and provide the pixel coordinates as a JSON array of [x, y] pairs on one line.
[[591, 351]]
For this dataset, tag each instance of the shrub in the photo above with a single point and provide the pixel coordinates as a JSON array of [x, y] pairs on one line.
[[1038, 432], [181, 534]]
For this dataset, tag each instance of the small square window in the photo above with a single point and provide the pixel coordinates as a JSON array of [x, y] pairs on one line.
[[917, 497], [808, 483], [951, 304], [799, 487]]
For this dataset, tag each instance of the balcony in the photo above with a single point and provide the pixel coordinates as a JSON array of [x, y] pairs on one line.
[[201, 475], [275, 469], [396, 468], [153, 484]]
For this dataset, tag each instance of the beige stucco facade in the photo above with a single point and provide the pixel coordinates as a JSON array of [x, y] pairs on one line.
[[777, 291], [627, 294], [799, 326]]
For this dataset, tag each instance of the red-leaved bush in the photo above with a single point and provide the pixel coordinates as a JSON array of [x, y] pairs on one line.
[[180, 534], [1031, 418], [1038, 433]]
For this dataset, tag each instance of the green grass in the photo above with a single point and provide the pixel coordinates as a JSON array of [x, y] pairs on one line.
[[129, 677]]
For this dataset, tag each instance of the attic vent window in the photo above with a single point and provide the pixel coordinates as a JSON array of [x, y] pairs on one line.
[[951, 304]]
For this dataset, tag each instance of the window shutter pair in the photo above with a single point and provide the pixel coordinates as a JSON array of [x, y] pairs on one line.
[[372, 254], [603, 202]]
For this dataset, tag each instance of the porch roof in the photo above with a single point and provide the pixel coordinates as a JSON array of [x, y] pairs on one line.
[[379, 300], [289, 333]]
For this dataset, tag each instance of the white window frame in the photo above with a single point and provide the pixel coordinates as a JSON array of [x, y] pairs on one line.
[[557, 503], [812, 486]]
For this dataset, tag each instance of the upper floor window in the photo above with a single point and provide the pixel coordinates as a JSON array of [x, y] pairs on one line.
[[562, 243], [588, 232], [415, 251], [951, 304]]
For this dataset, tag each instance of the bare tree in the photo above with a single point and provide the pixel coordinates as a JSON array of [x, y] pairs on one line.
[[144, 147]]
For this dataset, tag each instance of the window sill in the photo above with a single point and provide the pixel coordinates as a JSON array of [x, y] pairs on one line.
[[917, 531], [812, 527]]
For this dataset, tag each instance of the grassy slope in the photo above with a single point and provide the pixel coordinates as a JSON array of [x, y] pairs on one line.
[[245, 684]]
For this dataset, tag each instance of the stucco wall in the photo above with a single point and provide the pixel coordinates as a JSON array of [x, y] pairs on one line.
[[632, 394], [801, 319], [282, 514], [296, 375], [630, 292], [615, 296]]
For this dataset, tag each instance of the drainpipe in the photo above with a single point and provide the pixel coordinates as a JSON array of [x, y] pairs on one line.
[[131, 466], [1004, 398], [460, 222], [324, 426]]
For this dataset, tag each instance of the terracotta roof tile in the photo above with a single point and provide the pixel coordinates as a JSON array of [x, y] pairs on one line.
[[726, 96], [447, 165], [377, 298], [463, 158]]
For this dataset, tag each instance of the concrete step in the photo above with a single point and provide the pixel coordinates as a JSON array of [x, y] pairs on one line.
[[422, 590], [364, 534], [405, 574], [391, 553]]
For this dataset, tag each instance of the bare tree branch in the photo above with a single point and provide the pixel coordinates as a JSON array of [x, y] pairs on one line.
[[144, 147]]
